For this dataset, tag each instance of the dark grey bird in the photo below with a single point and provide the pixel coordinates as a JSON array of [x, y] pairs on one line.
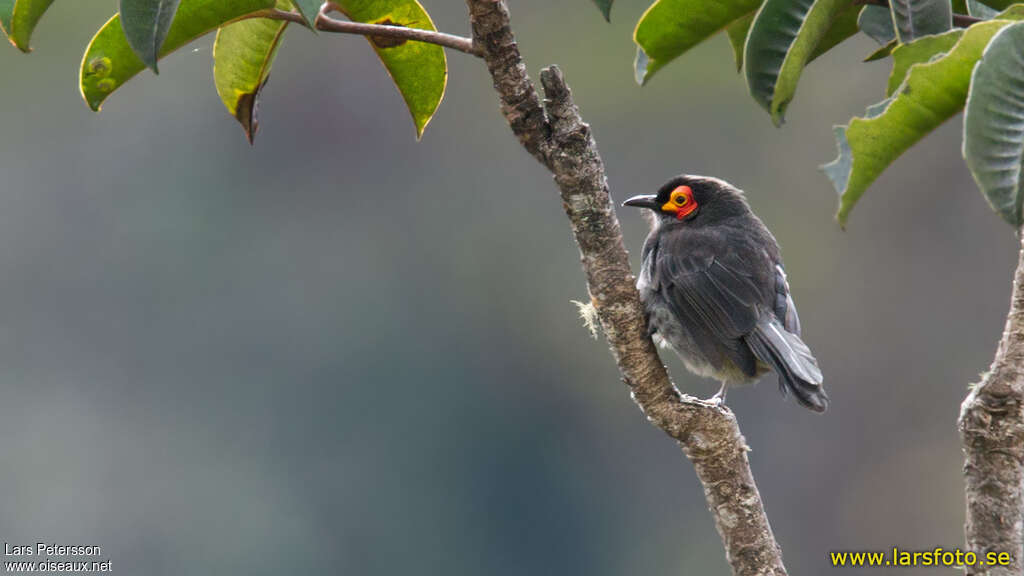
[[714, 290]]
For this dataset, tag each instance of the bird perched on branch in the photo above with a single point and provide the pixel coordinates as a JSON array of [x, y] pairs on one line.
[[714, 289]]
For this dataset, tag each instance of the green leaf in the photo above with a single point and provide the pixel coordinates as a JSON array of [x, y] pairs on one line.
[[843, 26], [145, 24], [109, 61], [930, 47], [242, 56], [876, 22], [670, 27], [979, 10], [994, 123], [6, 9], [25, 14], [1000, 4], [921, 50], [931, 93], [309, 10], [781, 40], [737, 32], [883, 52], [916, 18], [419, 70], [605, 6]]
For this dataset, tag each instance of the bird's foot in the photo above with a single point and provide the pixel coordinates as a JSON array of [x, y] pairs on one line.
[[719, 398]]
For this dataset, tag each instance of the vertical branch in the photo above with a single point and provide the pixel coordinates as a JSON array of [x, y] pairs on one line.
[[992, 430], [556, 135], [519, 101]]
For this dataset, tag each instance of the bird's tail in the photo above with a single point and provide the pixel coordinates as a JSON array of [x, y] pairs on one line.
[[792, 360]]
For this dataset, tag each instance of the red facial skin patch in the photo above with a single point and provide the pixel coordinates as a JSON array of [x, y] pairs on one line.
[[680, 202]]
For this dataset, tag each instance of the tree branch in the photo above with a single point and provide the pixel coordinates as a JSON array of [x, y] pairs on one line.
[[964, 20], [992, 430], [327, 24], [555, 134]]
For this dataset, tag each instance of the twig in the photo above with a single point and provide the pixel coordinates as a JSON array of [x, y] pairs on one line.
[[327, 24], [992, 430], [964, 20], [554, 133]]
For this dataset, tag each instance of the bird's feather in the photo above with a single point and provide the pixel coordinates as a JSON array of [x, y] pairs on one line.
[[708, 290], [792, 360], [785, 309]]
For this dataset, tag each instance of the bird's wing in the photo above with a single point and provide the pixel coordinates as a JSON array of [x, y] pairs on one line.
[[776, 341], [714, 296], [785, 309]]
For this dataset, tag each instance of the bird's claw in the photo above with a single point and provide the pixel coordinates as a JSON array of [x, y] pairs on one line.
[[718, 399]]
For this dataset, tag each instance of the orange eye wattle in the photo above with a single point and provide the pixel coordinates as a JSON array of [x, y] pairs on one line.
[[680, 202]]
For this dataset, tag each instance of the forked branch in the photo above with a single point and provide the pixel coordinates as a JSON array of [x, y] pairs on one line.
[[326, 23]]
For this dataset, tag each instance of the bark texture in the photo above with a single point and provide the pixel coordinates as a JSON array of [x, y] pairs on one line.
[[554, 133], [992, 430]]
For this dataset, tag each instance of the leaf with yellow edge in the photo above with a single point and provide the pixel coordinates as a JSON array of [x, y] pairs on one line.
[[671, 27], [242, 56], [926, 48], [921, 50], [419, 70], [109, 61], [25, 14], [737, 32], [931, 93], [843, 27], [883, 52]]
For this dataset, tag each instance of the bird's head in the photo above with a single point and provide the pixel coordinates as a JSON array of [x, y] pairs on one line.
[[693, 199]]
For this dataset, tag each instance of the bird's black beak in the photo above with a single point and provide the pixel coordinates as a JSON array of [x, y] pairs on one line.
[[643, 201]]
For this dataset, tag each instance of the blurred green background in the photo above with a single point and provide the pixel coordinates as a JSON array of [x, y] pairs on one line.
[[343, 351]]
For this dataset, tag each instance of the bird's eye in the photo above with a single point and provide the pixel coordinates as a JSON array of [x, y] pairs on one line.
[[680, 200]]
